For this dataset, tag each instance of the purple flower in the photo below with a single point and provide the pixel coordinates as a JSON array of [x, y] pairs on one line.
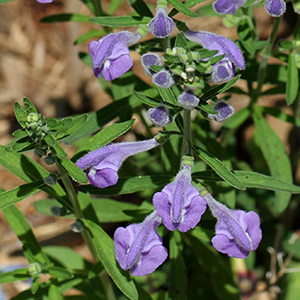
[[102, 165], [163, 79], [161, 25], [275, 8], [188, 99], [159, 115], [179, 204], [228, 6], [110, 55], [237, 232], [224, 69], [224, 111], [44, 1], [150, 59], [139, 248]]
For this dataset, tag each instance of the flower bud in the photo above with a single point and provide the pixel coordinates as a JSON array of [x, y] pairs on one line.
[[77, 226], [161, 25], [188, 99], [224, 111], [163, 79], [50, 180], [159, 115], [275, 8], [150, 59]]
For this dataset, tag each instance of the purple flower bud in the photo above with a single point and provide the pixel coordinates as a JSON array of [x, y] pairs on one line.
[[223, 70], [161, 25], [110, 55], [139, 248], [188, 99], [237, 232], [163, 79], [179, 204], [228, 7], [44, 1], [275, 8], [224, 111], [150, 59], [159, 115], [102, 165]]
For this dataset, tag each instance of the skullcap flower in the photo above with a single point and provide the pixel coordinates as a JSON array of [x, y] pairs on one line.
[[224, 69], [102, 165], [44, 1], [159, 115], [163, 79], [275, 8], [188, 99], [237, 232], [110, 55], [228, 7], [179, 204], [139, 248], [150, 59], [224, 111], [161, 25]]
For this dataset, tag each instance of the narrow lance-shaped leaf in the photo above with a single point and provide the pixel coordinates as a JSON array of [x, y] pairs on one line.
[[178, 280], [65, 18], [276, 157], [22, 229], [105, 249], [219, 168], [125, 21], [292, 82]]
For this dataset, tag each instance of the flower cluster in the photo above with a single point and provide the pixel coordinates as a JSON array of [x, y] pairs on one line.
[[179, 205], [275, 8]]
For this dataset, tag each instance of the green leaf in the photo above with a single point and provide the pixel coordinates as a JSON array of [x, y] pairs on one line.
[[237, 119], [141, 8], [75, 172], [76, 123], [104, 137], [15, 275], [182, 8], [129, 185], [20, 114], [178, 280], [276, 157], [19, 193], [214, 91], [213, 265], [66, 257], [219, 168], [58, 272], [5, 1], [244, 30], [124, 21], [292, 82], [29, 170], [105, 248], [29, 107], [55, 292], [168, 96], [100, 118], [257, 180], [65, 18], [88, 35], [279, 114], [22, 229]]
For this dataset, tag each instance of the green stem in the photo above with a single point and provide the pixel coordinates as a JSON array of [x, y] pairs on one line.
[[98, 8], [266, 53], [86, 235], [187, 135], [76, 207]]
